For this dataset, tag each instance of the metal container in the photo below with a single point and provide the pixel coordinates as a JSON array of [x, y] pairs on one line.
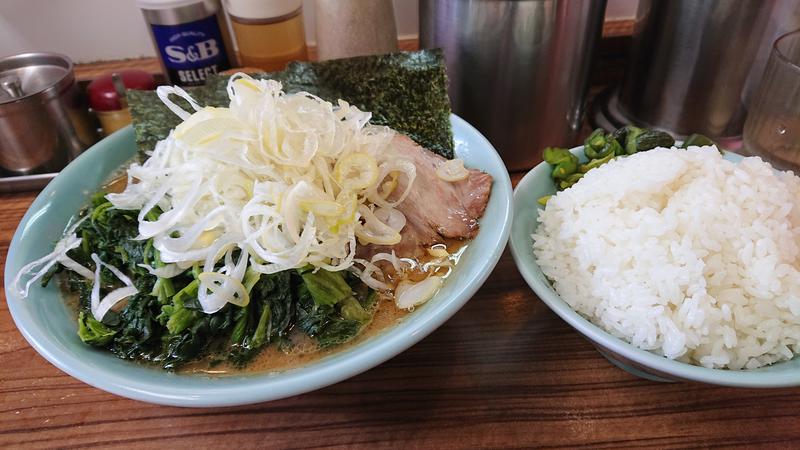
[[43, 120], [690, 62], [191, 38], [347, 28], [519, 69]]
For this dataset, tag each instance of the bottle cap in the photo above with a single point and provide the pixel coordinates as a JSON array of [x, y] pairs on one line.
[[262, 9], [104, 97]]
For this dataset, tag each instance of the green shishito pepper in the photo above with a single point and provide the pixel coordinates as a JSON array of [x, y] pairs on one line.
[[651, 139], [570, 180], [630, 139], [595, 143], [601, 147], [595, 163], [566, 168], [697, 140], [555, 155], [564, 163]]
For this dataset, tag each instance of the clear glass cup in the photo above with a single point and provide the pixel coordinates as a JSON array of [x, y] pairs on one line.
[[772, 129]]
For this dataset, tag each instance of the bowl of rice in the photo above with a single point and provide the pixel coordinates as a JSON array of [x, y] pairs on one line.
[[677, 264]]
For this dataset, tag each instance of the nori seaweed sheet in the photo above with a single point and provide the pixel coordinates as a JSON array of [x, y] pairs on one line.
[[406, 91]]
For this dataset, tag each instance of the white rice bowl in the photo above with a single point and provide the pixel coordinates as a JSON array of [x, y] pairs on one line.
[[682, 253]]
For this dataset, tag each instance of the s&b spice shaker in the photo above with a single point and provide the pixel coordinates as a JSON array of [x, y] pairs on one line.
[[191, 38]]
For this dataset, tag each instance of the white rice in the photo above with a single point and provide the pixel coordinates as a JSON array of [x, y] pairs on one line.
[[682, 253]]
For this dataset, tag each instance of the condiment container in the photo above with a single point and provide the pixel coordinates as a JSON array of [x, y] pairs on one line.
[[191, 38], [44, 122], [346, 28], [268, 33], [518, 70], [107, 96]]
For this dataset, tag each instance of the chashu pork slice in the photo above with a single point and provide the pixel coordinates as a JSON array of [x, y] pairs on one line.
[[435, 209]]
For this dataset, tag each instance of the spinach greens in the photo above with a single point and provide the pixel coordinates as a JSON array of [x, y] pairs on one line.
[[164, 323]]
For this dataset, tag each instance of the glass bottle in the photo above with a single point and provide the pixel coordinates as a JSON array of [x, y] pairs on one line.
[[268, 33]]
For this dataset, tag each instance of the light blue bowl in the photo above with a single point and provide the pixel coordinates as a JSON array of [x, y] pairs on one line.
[[46, 323], [642, 363]]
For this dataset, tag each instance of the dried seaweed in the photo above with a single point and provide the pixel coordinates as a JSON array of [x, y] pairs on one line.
[[151, 119], [406, 91]]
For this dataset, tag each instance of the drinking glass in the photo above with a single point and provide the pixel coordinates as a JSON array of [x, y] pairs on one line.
[[772, 129]]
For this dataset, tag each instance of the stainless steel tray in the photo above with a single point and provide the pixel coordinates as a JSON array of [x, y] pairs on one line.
[[23, 183]]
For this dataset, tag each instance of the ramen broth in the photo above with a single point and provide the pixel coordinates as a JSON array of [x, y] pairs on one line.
[[301, 349]]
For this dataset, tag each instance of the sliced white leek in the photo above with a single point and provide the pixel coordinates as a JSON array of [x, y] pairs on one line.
[[452, 170], [273, 182], [409, 294], [100, 306]]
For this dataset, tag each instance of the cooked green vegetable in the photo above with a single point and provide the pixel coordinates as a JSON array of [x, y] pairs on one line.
[[566, 167], [564, 163], [333, 324], [697, 140], [572, 179], [555, 155], [631, 134], [176, 316], [621, 134], [595, 143], [651, 139], [326, 288], [165, 324], [543, 199], [601, 147], [595, 163], [93, 332], [613, 146]]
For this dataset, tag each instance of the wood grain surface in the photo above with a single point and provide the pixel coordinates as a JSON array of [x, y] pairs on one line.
[[503, 372]]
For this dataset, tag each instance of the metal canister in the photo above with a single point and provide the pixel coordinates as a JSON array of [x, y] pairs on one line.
[[691, 60], [519, 69], [191, 38], [44, 121]]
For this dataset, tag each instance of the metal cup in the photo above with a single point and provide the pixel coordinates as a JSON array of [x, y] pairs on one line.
[[43, 120], [518, 70]]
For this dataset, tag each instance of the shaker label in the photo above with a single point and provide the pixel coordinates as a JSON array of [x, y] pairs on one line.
[[191, 51]]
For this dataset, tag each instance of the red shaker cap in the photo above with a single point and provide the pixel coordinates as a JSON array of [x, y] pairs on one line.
[[103, 96]]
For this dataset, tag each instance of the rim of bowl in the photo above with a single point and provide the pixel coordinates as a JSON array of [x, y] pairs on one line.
[[261, 387], [725, 377]]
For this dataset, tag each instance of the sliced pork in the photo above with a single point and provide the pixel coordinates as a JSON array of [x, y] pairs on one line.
[[435, 209]]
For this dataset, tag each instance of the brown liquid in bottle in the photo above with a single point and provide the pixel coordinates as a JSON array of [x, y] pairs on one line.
[[270, 44]]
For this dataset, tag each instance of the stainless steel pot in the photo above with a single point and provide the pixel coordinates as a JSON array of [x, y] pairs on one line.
[[43, 121], [691, 59], [519, 69]]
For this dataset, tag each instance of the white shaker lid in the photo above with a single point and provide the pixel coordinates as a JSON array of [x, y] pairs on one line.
[[262, 9]]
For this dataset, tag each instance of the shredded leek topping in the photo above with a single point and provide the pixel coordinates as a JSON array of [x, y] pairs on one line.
[[274, 182], [289, 179]]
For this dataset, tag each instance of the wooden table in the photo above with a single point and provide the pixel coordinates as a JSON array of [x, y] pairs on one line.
[[503, 372]]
